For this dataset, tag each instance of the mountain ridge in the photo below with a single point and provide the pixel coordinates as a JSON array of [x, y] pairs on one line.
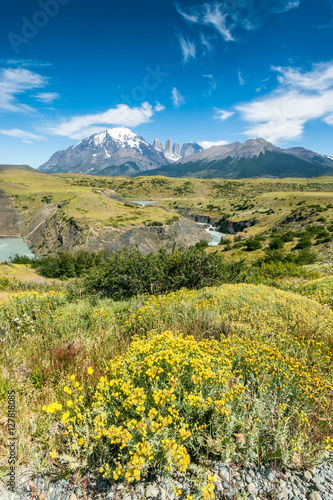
[[121, 152]]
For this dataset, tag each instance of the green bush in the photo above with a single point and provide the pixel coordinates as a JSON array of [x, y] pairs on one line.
[[128, 272], [252, 244]]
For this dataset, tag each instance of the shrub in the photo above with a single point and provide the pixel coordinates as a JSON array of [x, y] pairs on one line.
[[320, 290], [303, 243], [172, 402], [300, 326], [276, 243], [155, 223], [252, 244], [128, 273]]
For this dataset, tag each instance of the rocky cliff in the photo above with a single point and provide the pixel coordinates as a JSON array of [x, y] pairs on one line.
[[11, 223], [48, 232]]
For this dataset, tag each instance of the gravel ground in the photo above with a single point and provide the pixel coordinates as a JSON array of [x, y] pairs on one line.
[[255, 483]]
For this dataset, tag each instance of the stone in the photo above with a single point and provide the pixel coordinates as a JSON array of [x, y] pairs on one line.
[[248, 478], [152, 491], [224, 473], [320, 487], [72, 497], [78, 491], [318, 479], [284, 494], [307, 476], [314, 495], [251, 488]]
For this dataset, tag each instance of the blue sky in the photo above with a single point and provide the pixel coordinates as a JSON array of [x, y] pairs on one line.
[[211, 72]]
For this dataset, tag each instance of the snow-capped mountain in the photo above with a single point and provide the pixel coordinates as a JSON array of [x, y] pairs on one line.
[[253, 158], [174, 152], [117, 151]]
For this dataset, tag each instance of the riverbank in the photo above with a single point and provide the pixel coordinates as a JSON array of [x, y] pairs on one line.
[[252, 482]]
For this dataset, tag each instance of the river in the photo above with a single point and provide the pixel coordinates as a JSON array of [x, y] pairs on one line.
[[9, 247]]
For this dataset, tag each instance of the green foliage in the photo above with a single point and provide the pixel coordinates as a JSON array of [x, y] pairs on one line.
[[127, 273], [64, 265], [253, 244], [303, 242], [155, 223]]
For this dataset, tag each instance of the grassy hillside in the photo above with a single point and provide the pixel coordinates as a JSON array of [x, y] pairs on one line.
[[16, 167], [281, 205]]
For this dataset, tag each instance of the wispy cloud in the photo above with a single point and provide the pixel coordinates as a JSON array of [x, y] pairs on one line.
[[206, 43], [188, 48], [176, 97], [15, 81], [25, 63], [292, 4], [228, 19], [301, 96], [47, 97], [26, 137], [215, 17], [221, 114], [212, 84], [82, 126], [210, 144], [240, 78]]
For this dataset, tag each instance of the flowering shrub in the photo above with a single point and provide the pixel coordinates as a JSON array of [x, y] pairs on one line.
[[171, 403], [24, 310], [320, 290], [293, 323]]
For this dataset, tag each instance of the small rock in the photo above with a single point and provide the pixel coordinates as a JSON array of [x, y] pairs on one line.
[[152, 491], [320, 487], [251, 488], [78, 491], [318, 479], [248, 478], [314, 495], [284, 494], [307, 476], [72, 497], [224, 474]]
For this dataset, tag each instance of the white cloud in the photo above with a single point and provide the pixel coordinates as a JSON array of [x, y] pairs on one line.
[[79, 127], [188, 48], [224, 17], [292, 4], [300, 97], [191, 17], [212, 84], [205, 43], [210, 144], [26, 137], [320, 78], [221, 114], [25, 63], [47, 97], [240, 78], [213, 16], [159, 107], [176, 97], [14, 81]]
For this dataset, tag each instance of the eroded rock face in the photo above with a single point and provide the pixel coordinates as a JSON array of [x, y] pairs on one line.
[[11, 222], [229, 226], [49, 233]]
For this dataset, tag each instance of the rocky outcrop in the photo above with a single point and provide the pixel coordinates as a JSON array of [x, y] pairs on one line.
[[11, 222], [202, 218], [49, 232], [229, 226]]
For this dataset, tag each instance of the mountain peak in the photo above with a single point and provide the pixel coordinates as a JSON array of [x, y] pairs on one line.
[[121, 133]]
